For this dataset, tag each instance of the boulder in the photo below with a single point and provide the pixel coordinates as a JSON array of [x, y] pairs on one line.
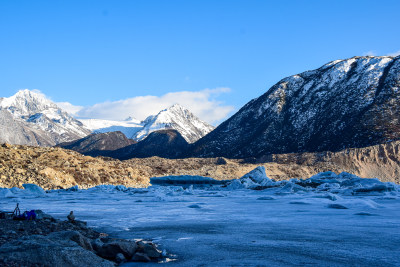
[[97, 244], [40, 215], [149, 249], [120, 258], [111, 248], [73, 236], [141, 257], [80, 224], [37, 250]]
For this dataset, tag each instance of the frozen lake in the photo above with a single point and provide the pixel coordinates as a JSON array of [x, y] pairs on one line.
[[241, 227]]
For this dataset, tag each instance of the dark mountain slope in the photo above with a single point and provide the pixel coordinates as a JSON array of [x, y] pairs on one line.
[[164, 143], [98, 144], [343, 104]]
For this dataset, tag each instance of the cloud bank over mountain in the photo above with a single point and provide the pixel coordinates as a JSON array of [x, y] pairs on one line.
[[203, 103]]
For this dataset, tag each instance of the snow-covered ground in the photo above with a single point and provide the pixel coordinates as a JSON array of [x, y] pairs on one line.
[[328, 220]]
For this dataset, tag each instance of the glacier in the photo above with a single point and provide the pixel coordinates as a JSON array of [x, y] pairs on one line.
[[328, 219]]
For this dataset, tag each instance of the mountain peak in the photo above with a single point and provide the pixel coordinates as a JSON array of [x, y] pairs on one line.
[[132, 119], [175, 117], [176, 106], [34, 111], [27, 102], [173, 109]]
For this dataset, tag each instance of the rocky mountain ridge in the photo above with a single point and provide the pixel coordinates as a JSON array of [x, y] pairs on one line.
[[30, 118], [344, 104]]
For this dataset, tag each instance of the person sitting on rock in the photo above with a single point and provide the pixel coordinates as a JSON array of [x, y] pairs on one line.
[[71, 217]]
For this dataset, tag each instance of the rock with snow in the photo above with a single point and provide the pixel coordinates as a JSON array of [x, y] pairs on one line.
[[343, 104], [175, 117]]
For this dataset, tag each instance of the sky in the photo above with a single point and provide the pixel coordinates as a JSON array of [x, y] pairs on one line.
[[212, 57]]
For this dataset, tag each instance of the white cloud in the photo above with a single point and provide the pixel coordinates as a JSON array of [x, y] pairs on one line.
[[203, 104], [369, 53], [395, 54], [68, 107]]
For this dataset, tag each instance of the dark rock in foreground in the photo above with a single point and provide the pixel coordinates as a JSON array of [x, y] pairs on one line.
[[51, 242]]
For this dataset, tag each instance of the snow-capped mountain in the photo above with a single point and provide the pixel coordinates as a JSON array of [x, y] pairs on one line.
[[175, 117], [44, 123], [345, 103]]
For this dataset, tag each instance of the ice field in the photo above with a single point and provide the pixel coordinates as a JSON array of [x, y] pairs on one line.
[[327, 220]]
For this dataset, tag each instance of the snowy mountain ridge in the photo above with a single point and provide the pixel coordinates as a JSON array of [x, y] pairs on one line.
[[42, 121], [175, 117], [343, 104], [32, 119]]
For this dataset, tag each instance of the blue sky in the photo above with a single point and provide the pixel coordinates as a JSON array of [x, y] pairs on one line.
[[212, 56]]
